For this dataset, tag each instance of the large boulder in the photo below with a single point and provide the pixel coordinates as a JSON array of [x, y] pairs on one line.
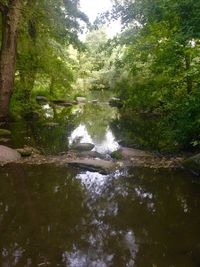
[[126, 153], [193, 164], [92, 154], [83, 146], [8, 154], [93, 165]]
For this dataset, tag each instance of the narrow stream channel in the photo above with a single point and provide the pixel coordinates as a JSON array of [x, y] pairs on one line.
[[59, 216]]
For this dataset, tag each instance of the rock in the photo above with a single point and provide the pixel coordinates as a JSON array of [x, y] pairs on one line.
[[115, 102], [126, 153], [32, 116], [91, 154], [95, 101], [25, 152], [59, 101], [4, 140], [40, 98], [4, 132], [82, 146], [8, 154], [51, 124], [81, 99], [193, 164], [101, 166], [66, 104]]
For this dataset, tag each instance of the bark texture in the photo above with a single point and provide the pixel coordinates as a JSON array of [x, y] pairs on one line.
[[10, 25]]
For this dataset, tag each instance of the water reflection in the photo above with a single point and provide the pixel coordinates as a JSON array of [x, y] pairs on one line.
[[48, 111], [107, 145], [57, 217], [90, 122], [82, 134]]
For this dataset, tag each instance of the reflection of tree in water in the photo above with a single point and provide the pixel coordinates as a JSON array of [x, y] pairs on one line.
[[141, 218], [145, 132], [96, 118], [51, 140], [38, 215]]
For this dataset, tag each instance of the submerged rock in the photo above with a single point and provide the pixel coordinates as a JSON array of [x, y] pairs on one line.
[[4, 132], [193, 164], [8, 154], [101, 166], [82, 146]]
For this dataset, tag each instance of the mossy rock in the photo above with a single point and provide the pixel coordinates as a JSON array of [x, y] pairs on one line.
[[117, 155], [4, 132], [4, 140]]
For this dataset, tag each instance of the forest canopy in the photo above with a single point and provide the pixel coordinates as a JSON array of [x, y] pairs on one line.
[[153, 65]]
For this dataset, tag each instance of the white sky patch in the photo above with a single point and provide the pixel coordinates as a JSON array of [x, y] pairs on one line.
[[93, 8]]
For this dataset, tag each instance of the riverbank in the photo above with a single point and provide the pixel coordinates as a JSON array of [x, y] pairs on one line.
[[91, 161]]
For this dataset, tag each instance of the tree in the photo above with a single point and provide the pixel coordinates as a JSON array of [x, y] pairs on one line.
[[11, 13], [42, 26]]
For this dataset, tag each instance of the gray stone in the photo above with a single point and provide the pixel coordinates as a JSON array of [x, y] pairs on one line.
[[82, 146], [193, 164], [126, 153], [25, 152], [81, 99], [101, 166], [4, 140], [91, 154], [8, 154], [40, 98]]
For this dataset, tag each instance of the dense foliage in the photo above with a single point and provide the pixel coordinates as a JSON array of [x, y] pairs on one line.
[[153, 65], [48, 31], [159, 71]]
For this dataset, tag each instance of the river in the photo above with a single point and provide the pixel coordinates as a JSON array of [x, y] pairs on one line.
[[60, 216]]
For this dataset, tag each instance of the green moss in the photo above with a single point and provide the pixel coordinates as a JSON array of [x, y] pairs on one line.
[[117, 155], [4, 132]]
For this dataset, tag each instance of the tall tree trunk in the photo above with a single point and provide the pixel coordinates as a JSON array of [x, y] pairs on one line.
[[10, 24]]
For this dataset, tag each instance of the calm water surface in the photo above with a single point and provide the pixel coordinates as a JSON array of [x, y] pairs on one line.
[[59, 217], [52, 216]]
